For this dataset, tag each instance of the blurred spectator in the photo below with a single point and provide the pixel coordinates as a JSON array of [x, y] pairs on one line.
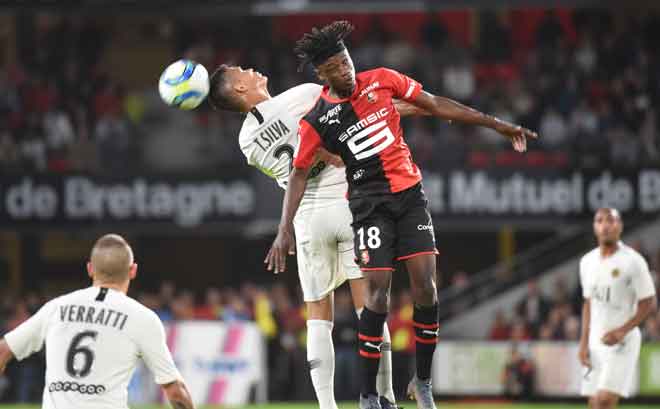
[[403, 341], [344, 335], [212, 307], [500, 330], [534, 306], [519, 376], [183, 306]]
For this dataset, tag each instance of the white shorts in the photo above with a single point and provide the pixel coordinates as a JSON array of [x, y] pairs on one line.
[[613, 368], [324, 248]]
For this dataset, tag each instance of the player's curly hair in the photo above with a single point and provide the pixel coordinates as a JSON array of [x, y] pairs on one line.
[[322, 43], [220, 93]]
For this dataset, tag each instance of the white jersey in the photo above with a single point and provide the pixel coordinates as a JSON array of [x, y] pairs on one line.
[[269, 138], [94, 338], [614, 285]]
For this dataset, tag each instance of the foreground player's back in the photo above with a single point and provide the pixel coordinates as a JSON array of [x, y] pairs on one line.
[[94, 338], [269, 140]]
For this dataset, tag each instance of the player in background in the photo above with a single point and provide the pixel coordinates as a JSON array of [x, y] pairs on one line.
[[355, 118], [619, 295], [268, 139], [94, 338]]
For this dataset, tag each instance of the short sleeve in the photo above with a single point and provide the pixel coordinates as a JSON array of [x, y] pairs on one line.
[[404, 87], [29, 337], [586, 292], [642, 280], [154, 351], [309, 143]]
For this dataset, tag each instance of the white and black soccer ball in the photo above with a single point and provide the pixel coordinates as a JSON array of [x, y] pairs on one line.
[[184, 84]]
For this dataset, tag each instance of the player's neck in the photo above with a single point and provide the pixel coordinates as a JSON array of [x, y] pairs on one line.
[[122, 288], [258, 99], [340, 95], [607, 249]]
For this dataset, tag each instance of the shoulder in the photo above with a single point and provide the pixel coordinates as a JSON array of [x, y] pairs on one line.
[[633, 255], [589, 257], [144, 314]]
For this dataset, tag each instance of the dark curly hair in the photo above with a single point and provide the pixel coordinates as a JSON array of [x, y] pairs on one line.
[[322, 43]]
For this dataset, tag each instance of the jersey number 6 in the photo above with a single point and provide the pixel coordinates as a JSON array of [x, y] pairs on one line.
[[377, 142], [76, 350]]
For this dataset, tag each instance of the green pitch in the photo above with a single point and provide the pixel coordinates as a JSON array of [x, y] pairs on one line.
[[406, 405]]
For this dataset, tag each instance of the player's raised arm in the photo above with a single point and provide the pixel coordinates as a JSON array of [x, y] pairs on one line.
[[407, 109], [178, 395], [451, 110]]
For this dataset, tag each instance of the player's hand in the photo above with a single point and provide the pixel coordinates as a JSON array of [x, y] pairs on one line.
[[329, 158], [517, 134], [283, 245], [614, 337], [583, 356]]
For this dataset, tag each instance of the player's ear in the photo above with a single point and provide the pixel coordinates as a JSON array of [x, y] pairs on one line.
[[132, 272], [240, 87], [90, 271]]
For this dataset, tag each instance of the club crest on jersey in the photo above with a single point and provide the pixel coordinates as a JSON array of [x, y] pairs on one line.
[[371, 97], [328, 116], [615, 273], [364, 257]]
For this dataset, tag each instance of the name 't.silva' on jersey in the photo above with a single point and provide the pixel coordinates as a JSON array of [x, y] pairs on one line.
[[90, 315], [271, 134]]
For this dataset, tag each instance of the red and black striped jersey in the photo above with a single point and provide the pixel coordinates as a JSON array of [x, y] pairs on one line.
[[365, 130]]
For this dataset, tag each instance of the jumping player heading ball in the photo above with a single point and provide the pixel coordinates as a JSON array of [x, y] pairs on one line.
[[355, 119]]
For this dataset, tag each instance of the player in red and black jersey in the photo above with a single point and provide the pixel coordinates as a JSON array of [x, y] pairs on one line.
[[355, 119]]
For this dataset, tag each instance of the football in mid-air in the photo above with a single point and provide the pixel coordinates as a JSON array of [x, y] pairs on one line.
[[184, 84]]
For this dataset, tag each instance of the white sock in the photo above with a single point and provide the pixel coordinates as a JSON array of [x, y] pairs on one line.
[[321, 360], [384, 379]]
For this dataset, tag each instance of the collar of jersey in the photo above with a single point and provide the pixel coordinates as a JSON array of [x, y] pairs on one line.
[[327, 97]]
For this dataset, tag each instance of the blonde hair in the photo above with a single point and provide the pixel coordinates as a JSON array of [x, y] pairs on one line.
[[111, 258]]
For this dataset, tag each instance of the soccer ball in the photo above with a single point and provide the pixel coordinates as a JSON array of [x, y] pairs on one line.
[[184, 84]]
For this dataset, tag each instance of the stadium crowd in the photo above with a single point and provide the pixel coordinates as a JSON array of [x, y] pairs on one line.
[[585, 78], [557, 317]]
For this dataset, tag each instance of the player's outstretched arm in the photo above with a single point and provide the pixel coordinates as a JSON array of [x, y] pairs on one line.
[[284, 243], [583, 353], [178, 395], [408, 109], [5, 355], [451, 110]]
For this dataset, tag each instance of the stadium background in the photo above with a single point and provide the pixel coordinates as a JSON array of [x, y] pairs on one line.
[[86, 147]]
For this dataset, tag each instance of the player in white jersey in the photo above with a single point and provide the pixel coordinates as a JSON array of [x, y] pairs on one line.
[[619, 295], [324, 238], [95, 337]]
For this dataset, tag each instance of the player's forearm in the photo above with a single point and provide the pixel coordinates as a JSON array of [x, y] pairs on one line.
[[5, 355], [586, 322], [645, 308], [293, 196], [451, 110]]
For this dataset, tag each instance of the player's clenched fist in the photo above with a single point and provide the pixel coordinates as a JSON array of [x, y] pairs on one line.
[[283, 245], [614, 337]]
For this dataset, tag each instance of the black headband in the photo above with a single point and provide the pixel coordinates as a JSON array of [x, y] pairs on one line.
[[323, 55]]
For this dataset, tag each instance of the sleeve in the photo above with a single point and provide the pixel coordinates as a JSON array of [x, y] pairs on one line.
[[586, 292], [642, 280], [309, 143], [154, 351], [29, 337], [404, 87]]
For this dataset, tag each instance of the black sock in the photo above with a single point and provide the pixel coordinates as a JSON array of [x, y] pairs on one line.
[[425, 321], [370, 339]]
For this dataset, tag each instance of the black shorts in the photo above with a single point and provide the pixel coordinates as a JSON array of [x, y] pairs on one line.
[[391, 227]]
